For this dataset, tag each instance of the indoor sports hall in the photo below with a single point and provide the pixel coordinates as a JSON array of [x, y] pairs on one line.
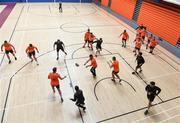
[[26, 95]]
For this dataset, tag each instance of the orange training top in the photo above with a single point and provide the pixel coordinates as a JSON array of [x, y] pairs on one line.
[[7, 46], [153, 43], [87, 35], [54, 78], [115, 65], [143, 33], [91, 37], [125, 35], [138, 43], [93, 63], [31, 49]]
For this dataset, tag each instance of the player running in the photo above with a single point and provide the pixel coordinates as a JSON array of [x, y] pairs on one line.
[[98, 45], [93, 65], [140, 61], [79, 98], [9, 48], [59, 46], [152, 92], [125, 37], [30, 50], [54, 77], [115, 65]]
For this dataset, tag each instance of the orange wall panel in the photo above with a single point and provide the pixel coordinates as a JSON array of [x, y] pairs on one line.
[[163, 22], [124, 7], [104, 2]]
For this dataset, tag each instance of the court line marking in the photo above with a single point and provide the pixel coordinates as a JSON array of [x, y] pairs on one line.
[[109, 78], [12, 33], [169, 109], [38, 57], [136, 110], [170, 118]]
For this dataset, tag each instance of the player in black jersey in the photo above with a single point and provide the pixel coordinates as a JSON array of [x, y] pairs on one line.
[[140, 61], [59, 46], [152, 92], [79, 98], [98, 45]]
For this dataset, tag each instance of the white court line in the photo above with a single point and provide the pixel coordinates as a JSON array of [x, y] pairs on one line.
[[164, 111], [170, 118]]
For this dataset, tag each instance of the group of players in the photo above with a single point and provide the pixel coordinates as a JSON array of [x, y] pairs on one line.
[[90, 39]]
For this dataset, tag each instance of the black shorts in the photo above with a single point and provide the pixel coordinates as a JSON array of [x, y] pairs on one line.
[[8, 51], [139, 65], [123, 39], [143, 37], [62, 49], [86, 41], [57, 86], [115, 72], [137, 48], [151, 47], [32, 53], [98, 47], [151, 97]]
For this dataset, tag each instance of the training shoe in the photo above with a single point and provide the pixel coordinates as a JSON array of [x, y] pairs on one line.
[[65, 53], [57, 58], [15, 58], [84, 109], [113, 80], [9, 61], [62, 100], [146, 112], [140, 71]]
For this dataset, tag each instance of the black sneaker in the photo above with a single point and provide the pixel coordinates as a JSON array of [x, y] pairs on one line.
[[140, 71], [62, 100], [9, 61], [113, 80], [146, 112], [84, 109], [15, 58], [57, 58]]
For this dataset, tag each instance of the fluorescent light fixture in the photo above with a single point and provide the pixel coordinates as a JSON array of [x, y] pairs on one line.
[[173, 1]]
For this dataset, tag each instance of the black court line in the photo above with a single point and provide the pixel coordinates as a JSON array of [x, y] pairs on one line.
[[168, 63], [137, 74], [139, 109], [9, 85], [13, 32], [110, 78], [85, 26], [72, 55]]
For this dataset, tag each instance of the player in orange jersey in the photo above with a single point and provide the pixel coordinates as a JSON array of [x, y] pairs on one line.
[[30, 50], [115, 65], [152, 45], [143, 34], [137, 45], [125, 37], [8, 49], [91, 39], [86, 38], [148, 40], [54, 76], [93, 65]]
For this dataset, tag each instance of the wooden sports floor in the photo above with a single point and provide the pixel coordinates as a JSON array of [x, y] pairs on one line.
[[25, 92]]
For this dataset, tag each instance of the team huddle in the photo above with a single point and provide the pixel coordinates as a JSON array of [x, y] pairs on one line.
[[89, 40]]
